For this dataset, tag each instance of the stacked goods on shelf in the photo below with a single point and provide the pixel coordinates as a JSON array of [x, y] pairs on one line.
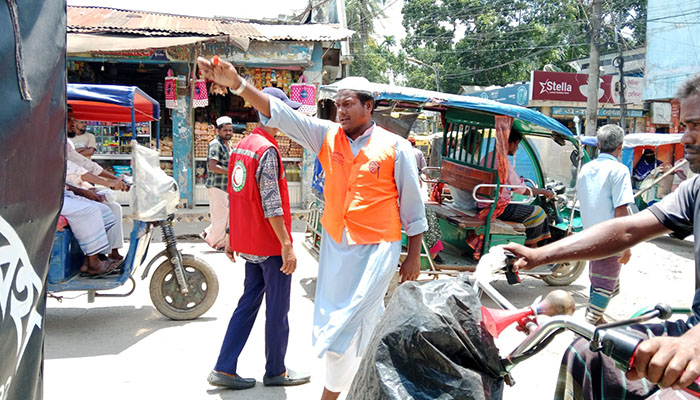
[[203, 134], [167, 167], [283, 142], [236, 138], [262, 78], [289, 148], [166, 146], [271, 78], [295, 151]]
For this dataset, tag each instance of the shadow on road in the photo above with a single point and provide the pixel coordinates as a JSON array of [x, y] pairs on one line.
[[682, 248], [309, 286], [258, 392], [89, 332]]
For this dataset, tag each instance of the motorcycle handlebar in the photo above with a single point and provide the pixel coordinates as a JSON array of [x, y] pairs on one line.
[[618, 344]]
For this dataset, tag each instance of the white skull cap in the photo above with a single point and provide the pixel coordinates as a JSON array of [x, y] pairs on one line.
[[221, 121]]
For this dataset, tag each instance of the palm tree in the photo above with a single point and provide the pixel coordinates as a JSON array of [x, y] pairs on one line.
[[361, 15]]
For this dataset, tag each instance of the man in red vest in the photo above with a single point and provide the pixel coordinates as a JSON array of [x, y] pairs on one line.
[[371, 194], [260, 231]]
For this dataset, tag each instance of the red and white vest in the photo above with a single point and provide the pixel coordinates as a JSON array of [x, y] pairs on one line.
[[249, 230]]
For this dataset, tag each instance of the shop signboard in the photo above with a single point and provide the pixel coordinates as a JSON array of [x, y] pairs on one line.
[[675, 116], [564, 86], [516, 94], [602, 112], [148, 54], [264, 54], [633, 90], [649, 127]]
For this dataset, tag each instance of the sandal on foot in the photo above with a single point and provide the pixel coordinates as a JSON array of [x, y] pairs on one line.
[[103, 269]]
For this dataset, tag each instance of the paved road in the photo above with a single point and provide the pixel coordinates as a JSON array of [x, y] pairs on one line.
[[121, 348]]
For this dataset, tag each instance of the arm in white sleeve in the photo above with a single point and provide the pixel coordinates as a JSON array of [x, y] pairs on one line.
[[307, 131], [90, 166], [74, 173], [411, 208]]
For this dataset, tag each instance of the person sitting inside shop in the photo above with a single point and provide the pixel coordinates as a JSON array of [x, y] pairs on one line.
[[83, 141]]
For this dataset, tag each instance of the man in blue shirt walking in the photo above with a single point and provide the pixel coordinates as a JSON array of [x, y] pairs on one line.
[[605, 189]]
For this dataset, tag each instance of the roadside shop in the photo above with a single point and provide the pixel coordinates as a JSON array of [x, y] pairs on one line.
[[153, 53]]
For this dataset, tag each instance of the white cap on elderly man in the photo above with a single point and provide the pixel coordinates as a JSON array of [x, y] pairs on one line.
[[221, 121]]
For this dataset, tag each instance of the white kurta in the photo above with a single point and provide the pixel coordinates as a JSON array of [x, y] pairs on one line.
[[352, 278]]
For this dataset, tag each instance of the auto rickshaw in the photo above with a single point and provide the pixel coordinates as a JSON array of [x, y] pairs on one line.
[[182, 286], [655, 162], [469, 135]]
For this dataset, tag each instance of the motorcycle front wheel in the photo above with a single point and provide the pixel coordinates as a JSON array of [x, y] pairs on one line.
[[564, 274], [202, 284]]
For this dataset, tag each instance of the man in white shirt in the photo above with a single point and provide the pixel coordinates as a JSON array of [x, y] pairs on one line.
[[83, 141], [604, 189]]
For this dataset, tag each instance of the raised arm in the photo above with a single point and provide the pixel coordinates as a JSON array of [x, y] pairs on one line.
[[307, 131]]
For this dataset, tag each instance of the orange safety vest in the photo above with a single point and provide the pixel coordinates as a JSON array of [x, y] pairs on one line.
[[360, 192]]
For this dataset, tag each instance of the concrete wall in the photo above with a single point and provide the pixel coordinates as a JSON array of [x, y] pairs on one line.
[[673, 54]]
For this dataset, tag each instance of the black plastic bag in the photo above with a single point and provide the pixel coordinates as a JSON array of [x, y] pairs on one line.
[[430, 345]]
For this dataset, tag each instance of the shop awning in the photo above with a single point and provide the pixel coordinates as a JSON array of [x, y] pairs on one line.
[[111, 103], [86, 42], [640, 139]]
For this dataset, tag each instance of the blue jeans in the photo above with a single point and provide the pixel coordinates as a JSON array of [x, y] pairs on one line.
[[260, 279]]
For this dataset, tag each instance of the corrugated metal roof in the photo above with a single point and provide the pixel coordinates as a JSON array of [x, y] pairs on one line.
[[110, 20], [312, 32]]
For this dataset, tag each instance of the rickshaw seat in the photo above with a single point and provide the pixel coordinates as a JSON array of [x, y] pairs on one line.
[[468, 219], [465, 177]]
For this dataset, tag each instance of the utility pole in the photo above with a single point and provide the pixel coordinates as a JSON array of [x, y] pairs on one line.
[[435, 68], [593, 71], [364, 37], [619, 62]]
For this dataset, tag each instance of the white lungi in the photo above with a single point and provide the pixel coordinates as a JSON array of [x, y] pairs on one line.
[[341, 368], [92, 223], [218, 212]]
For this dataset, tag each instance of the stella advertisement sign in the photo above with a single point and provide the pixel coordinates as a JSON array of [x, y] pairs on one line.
[[563, 86]]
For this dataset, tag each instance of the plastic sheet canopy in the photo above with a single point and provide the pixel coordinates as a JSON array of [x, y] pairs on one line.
[[154, 195]]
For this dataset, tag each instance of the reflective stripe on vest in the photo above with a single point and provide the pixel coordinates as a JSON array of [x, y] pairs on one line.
[[360, 191], [249, 230]]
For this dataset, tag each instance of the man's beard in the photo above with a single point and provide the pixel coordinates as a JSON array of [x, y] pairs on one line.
[[694, 167], [70, 133]]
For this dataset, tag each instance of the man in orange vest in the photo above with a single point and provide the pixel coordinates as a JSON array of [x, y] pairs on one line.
[[260, 231], [371, 191]]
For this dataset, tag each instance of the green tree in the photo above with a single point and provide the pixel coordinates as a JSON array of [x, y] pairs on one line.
[[360, 16], [503, 40], [380, 62]]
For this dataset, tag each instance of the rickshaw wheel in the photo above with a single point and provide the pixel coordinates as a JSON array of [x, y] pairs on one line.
[[202, 283], [564, 274]]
